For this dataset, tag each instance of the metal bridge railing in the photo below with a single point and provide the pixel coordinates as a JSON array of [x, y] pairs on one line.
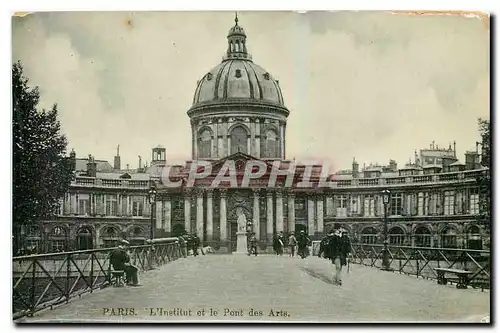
[[421, 261], [46, 280]]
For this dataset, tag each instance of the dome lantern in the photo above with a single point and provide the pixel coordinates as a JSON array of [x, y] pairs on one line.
[[236, 40]]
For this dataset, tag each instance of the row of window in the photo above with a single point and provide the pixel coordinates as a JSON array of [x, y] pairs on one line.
[[269, 145], [447, 203], [447, 238], [109, 207]]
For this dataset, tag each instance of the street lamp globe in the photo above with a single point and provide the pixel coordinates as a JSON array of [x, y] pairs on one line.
[[386, 196]]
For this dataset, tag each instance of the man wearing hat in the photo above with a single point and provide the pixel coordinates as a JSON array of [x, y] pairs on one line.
[[337, 251], [120, 260], [302, 241]]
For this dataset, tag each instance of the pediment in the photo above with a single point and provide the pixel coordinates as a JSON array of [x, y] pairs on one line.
[[126, 175]]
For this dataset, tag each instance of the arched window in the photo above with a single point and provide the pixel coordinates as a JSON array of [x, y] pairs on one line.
[[239, 139], [369, 235], [396, 236], [205, 144], [110, 237], [474, 239], [271, 144], [58, 240], [448, 238], [423, 237], [84, 239]]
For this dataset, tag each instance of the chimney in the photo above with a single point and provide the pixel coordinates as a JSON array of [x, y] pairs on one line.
[[140, 162], [454, 148], [128, 167], [91, 167], [117, 161], [72, 158], [355, 168], [416, 158], [393, 166]]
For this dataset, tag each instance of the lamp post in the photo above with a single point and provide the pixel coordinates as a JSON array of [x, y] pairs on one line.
[[152, 201], [386, 197]]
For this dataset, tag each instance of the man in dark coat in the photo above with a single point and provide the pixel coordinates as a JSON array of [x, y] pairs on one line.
[[195, 244], [337, 251], [324, 249], [252, 244], [120, 260], [303, 242]]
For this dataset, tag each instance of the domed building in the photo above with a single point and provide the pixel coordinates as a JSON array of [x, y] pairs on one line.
[[238, 107], [238, 117]]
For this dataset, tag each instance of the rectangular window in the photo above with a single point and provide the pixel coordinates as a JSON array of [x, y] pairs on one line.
[[111, 205], [137, 206], [84, 207], [449, 202], [369, 206], [58, 246], [341, 201], [396, 205], [354, 205], [421, 204], [474, 203]]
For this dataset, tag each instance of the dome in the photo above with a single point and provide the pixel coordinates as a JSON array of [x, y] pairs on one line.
[[238, 79]]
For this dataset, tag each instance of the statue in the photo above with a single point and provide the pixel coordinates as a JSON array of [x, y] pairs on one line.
[[242, 220]]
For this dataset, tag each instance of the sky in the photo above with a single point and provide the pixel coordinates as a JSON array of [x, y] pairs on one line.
[[367, 85]]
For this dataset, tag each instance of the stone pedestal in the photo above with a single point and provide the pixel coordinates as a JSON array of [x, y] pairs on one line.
[[241, 243]]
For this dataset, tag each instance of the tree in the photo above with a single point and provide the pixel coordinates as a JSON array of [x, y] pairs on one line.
[[484, 180], [41, 171], [484, 130]]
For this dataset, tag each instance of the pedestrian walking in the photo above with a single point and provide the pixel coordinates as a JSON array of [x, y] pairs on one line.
[[303, 242], [195, 244], [253, 244], [292, 242], [336, 248]]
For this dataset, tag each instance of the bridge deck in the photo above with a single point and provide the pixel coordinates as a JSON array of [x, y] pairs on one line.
[[300, 289]]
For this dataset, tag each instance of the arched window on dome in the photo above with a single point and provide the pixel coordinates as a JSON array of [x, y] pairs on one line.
[[239, 140], [205, 144], [270, 144]]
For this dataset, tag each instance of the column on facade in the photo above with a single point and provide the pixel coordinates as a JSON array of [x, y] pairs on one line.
[[158, 214], [223, 216], [129, 205], [269, 220], [73, 203], [252, 137], [279, 211], [319, 213], [97, 240], [187, 212], [67, 204], [310, 215], [256, 213], [118, 204], [257, 138], [210, 222], [167, 211], [291, 212], [199, 213], [215, 140], [195, 141]]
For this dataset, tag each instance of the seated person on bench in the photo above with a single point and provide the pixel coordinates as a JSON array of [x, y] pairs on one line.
[[120, 260]]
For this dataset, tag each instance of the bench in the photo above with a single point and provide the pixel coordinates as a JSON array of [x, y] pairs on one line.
[[117, 278], [463, 276]]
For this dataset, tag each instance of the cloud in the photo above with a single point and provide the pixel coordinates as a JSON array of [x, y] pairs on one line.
[[370, 85]]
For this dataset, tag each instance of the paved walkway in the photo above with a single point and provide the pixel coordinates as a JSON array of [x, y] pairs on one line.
[[269, 288]]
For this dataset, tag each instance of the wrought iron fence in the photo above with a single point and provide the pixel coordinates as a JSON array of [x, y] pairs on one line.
[[42, 281], [421, 261]]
